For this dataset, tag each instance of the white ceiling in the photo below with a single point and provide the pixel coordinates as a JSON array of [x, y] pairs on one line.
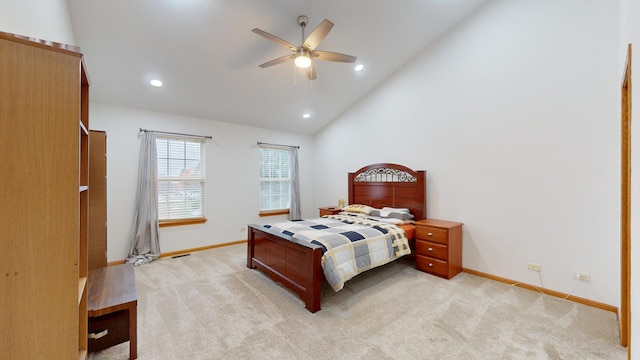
[[207, 56]]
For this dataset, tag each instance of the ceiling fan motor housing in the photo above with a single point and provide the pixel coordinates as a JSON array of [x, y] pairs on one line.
[[303, 20]]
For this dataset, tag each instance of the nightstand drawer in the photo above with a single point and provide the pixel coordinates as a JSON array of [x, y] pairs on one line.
[[432, 266], [431, 234], [432, 249], [108, 330]]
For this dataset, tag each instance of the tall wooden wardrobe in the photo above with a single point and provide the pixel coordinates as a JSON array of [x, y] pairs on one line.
[[44, 203]]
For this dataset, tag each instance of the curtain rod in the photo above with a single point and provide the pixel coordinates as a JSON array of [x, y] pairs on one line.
[[175, 133], [286, 146]]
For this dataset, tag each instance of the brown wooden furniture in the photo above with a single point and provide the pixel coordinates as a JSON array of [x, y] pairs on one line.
[[112, 308], [329, 210], [297, 265], [97, 199], [439, 247], [44, 92]]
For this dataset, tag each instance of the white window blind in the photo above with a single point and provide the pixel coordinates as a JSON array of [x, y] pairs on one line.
[[275, 179], [181, 180]]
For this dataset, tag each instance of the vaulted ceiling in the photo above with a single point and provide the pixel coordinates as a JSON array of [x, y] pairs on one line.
[[207, 57]]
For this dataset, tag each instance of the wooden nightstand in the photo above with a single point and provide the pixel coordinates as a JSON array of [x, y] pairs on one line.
[[112, 308], [329, 210], [439, 247]]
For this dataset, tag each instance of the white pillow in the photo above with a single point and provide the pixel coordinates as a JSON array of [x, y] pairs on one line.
[[390, 209], [392, 214]]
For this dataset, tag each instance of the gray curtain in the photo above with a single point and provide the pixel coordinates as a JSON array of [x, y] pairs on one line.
[[144, 243], [294, 208]]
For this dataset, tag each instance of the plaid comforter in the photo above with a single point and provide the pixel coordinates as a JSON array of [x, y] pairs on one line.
[[350, 245]]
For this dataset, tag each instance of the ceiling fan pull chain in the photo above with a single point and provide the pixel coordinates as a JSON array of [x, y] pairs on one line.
[[294, 75]]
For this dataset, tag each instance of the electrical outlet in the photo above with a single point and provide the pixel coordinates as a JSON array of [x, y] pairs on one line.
[[582, 276], [534, 267], [243, 229]]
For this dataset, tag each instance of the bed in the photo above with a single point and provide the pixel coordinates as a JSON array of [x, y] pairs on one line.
[[297, 264]]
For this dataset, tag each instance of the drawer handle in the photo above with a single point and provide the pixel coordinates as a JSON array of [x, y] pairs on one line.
[[430, 264], [429, 234], [430, 249], [99, 335]]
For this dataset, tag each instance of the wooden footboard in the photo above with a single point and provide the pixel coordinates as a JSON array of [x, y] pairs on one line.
[[297, 266]]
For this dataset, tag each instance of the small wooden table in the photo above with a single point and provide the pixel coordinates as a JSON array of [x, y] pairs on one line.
[[112, 308]]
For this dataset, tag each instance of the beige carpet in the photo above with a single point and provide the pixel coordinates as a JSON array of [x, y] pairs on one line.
[[210, 306]]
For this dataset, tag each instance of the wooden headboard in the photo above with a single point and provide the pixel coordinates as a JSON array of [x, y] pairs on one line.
[[392, 185]]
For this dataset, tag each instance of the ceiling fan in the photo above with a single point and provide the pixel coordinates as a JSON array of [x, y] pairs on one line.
[[303, 54]]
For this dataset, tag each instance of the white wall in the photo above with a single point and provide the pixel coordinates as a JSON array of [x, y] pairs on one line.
[[514, 115], [232, 188], [47, 20], [630, 34]]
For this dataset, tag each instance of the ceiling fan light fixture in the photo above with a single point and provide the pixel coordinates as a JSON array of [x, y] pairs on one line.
[[302, 61]]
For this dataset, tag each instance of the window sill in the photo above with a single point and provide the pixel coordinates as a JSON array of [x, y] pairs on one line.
[[274, 212], [180, 222]]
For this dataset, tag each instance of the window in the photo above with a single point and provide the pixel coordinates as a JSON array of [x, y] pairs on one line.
[[180, 180], [275, 181]]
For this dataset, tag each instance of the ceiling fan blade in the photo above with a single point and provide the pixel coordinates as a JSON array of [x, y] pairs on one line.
[[275, 39], [317, 35], [277, 61], [311, 72], [333, 56]]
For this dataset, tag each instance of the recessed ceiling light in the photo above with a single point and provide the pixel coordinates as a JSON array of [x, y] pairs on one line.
[[155, 82], [306, 116], [359, 67]]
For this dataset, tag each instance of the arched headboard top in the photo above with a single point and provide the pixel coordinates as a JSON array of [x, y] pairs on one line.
[[385, 172], [392, 185]]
